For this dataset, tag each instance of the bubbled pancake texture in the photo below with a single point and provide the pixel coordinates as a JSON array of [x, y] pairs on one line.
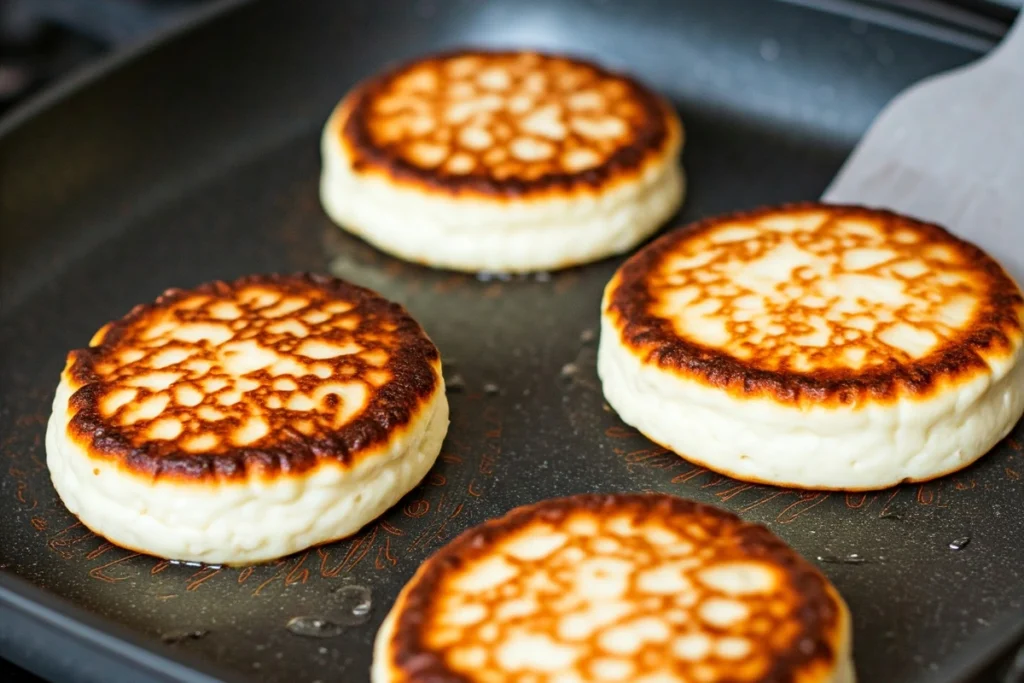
[[284, 366], [241, 422], [507, 117], [829, 297], [620, 588]]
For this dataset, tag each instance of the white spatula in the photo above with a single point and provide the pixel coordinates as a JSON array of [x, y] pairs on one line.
[[950, 150]]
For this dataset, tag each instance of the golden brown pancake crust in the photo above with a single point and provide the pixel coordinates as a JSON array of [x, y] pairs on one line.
[[995, 327], [817, 617], [650, 125], [295, 441]]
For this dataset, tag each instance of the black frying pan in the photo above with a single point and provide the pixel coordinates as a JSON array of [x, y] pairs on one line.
[[196, 158]]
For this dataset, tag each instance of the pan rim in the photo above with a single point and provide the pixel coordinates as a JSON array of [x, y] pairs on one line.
[[100, 634], [92, 72]]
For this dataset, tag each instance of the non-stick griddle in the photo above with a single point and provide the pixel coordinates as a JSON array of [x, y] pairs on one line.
[[196, 158]]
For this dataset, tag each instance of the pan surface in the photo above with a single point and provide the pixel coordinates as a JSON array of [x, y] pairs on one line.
[[198, 159]]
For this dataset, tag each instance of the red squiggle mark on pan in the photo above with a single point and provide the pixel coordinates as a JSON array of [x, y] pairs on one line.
[[101, 550], [281, 566], [62, 541], [298, 573], [968, 485], [644, 454], [434, 533], [416, 508], [808, 501], [855, 501], [384, 556], [888, 501], [688, 476], [100, 574], [768, 497], [930, 494], [201, 577], [731, 493], [391, 529], [358, 548], [716, 481]]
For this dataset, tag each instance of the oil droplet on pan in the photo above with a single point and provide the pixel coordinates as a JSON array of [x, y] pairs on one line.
[[485, 276], [182, 636], [355, 603], [852, 558], [189, 563], [455, 384], [313, 627], [959, 543]]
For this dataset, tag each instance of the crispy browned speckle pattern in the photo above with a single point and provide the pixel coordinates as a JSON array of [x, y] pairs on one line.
[[267, 373], [617, 588], [505, 122], [876, 305]]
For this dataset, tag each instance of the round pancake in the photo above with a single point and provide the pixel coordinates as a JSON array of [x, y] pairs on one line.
[[816, 346], [501, 161], [239, 422], [640, 588]]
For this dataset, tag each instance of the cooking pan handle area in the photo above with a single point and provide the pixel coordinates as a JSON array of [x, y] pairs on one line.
[[975, 24]]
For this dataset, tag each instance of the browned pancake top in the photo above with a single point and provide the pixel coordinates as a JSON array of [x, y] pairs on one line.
[[269, 373], [817, 302], [617, 588], [505, 123]]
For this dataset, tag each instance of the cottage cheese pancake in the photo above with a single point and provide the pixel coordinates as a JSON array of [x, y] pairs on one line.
[[239, 422], [816, 346], [501, 161], [639, 588]]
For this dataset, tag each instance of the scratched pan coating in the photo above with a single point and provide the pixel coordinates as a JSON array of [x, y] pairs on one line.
[[123, 188]]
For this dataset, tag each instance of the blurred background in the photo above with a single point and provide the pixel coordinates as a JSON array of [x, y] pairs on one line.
[[42, 40]]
